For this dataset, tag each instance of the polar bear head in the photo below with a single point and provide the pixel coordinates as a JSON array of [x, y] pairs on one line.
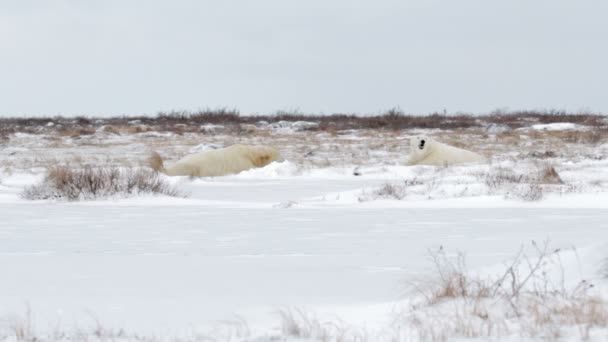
[[420, 144], [420, 147]]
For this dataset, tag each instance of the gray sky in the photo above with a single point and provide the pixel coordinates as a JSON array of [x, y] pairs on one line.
[[109, 57]]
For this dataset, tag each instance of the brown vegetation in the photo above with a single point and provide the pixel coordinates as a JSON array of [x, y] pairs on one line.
[[61, 182], [524, 297], [394, 119]]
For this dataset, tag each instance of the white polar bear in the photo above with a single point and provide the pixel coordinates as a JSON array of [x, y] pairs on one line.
[[426, 151], [219, 162]]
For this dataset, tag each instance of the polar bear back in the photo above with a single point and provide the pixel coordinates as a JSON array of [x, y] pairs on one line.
[[224, 161], [439, 154], [442, 154], [215, 162]]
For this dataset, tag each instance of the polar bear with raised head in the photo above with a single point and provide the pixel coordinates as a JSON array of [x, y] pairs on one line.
[[218, 162], [427, 151]]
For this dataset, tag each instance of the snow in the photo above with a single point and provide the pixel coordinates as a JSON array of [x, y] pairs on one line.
[[557, 126], [204, 147], [292, 126], [496, 128], [210, 128], [291, 236], [179, 265], [159, 265]]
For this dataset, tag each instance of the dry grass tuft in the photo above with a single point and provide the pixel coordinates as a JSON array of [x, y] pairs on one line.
[[295, 323], [592, 137], [527, 186], [525, 299], [529, 183], [501, 176], [61, 182], [526, 192], [390, 191], [548, 175], [76, 132], [156, 162]]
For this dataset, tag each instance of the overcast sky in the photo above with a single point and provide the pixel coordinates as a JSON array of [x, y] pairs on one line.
[[109, 57]]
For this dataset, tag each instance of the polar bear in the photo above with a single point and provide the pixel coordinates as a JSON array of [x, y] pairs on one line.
[[426, 151], [218, 162]]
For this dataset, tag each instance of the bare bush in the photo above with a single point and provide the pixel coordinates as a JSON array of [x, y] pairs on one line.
[[22, 328], [527, 186], [524, 299], [526, 192], [548, 175], [390, 191], [501, 176], [592, 137], [392, 119], [296, 323], [76, 132], [61, 182], [453, 279]]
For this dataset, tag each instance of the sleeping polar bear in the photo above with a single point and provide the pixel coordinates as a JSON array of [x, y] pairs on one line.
[[219, 162], [426, 151]]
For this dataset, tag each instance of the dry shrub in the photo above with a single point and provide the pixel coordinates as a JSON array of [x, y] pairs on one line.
[[76, 132], [390, 191], [518, 119], [526, 192], [541, 155], [214, 116], [501, 176], [244, 129], [452, 280], [61, 182], [392, 119], [295, 323], [548, 175], [524, 299], [110, 129], [4, 135], [134, 129], [592, 137], [527, 186], [22, 327]]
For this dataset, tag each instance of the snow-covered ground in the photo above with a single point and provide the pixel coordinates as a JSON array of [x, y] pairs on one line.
[[303, 236]]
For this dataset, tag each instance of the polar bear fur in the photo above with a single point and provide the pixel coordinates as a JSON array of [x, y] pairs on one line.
[[219, 162], [427, 151]]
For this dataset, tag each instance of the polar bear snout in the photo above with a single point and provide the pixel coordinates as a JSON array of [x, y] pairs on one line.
[[421, 144]]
